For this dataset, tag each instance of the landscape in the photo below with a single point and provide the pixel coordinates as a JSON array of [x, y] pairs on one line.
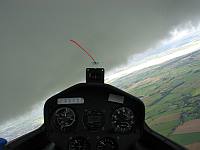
[[171, 94]]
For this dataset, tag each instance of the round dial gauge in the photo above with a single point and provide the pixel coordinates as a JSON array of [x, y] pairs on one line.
[[123, 120], [107, 143], [93, 119], [79, 143], [64, 118]]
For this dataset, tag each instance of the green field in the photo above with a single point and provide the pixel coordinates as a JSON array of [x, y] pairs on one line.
[[165, 128], [186, 139], [169, 88]]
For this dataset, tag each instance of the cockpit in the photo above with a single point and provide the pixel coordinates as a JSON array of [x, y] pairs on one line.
[[93, 116]]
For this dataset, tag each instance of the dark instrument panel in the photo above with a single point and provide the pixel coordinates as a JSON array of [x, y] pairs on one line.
[[94, 116]]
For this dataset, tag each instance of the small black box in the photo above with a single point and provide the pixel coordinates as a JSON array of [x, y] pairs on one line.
[[95, 75]]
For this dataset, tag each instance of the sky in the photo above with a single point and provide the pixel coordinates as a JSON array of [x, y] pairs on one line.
[[36, 59]]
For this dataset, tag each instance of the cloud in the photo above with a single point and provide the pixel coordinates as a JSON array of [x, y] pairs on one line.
[[36, 60]]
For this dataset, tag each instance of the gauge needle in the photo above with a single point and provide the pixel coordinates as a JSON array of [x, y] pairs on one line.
[[102, 143]]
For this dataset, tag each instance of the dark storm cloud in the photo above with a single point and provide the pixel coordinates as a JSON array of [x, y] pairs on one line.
[[36, 60]]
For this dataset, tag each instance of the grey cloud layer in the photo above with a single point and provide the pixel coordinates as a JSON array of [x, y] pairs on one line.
[[36, 60]]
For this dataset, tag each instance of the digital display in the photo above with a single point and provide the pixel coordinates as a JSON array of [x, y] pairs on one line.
[[73, 100]]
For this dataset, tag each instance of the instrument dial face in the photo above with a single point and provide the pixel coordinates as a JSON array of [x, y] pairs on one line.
[[79, 143], [64, 118], [123, 120], [107, 143], [93, 119]]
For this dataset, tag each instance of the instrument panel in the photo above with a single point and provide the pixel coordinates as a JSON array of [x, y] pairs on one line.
[[93, 117]]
